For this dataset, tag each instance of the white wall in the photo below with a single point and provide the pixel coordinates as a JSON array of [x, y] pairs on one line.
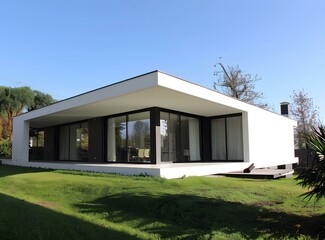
[[20, 143], [271, 139]]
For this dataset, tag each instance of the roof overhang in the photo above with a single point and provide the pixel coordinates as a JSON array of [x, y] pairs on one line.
[[145, 91]]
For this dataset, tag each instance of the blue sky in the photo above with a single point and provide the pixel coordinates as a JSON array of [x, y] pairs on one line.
[[66, 47]]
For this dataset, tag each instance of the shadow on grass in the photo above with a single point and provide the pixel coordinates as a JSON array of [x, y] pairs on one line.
[[23, 220], [7, 170], [172, 216]]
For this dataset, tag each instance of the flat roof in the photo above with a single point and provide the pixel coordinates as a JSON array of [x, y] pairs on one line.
[[153, 89]]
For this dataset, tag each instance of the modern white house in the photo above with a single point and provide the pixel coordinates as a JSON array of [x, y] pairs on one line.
[[152, 124]]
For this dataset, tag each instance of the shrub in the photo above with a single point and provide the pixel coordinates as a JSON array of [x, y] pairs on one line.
[[5, 149], [313, 177]]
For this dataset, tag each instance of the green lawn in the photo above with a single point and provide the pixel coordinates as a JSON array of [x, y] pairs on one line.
[[44, 204]]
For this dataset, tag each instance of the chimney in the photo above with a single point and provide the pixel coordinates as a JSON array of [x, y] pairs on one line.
[[284, 109]]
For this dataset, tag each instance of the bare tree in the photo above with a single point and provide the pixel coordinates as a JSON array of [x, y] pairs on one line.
[[306, 113], [233, 82]]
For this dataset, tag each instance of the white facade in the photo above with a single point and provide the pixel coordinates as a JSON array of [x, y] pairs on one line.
[[267, 137]]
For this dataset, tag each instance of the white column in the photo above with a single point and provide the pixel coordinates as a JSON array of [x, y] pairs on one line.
[[20, 143], [245, 136], [158, 145]]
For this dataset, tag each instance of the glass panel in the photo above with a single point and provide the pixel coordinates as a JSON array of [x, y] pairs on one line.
[[184, 148], [218, 139], [33, 138], [36, 138], [168, 126], [74, 142], [190, 139], [235, 138], [116, 142], [64, 143], [40, 139], [139, 137], [36, 145], [82, 142]]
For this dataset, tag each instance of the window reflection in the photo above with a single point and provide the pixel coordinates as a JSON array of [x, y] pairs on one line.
[[129, 138], [179, 137], [74, 140]]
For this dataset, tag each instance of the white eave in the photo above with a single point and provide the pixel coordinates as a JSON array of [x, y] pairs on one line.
[[148, 90]]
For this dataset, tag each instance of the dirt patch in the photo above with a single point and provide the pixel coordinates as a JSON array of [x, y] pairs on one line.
[[267, 203], [47, 204]]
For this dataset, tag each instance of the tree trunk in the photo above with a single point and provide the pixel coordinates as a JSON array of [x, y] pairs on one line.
[[10, 124]]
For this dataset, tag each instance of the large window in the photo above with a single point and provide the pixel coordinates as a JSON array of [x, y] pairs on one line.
[[74, 142], [128, 138], [227, 139], [168, 131], [180, 138], [116, 140], [36, 144]]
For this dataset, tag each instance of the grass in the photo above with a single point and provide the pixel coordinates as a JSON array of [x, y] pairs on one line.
[[44, 204]]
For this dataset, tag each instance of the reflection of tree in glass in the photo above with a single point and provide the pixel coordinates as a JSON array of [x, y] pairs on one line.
[[120, 134], [82, 135], [140, 136], [40, 141]]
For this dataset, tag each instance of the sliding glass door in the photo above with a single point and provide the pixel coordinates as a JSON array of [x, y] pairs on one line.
[[116, 139], [190, 139], [179, 137], [218, 139], [235, 138], [128, 138], [168, 136], [74, 142], [139, 137], [227, 139]]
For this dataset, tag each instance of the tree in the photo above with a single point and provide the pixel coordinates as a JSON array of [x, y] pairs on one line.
[[306, 113], [233, 82], [13, 101], [314, 177], [41, 100], [4, 130]]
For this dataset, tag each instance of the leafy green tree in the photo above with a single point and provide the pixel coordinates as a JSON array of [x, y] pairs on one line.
[[233, 82], [13, 101], [313, 178], [41, 100]]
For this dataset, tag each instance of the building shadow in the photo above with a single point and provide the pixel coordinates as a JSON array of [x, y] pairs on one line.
[[172, 216], [22, 220], [7, 170]]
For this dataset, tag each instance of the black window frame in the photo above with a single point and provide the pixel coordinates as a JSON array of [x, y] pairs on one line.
[[226, 138]]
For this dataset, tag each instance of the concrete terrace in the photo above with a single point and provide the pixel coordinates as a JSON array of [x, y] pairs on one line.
[[168, 171]]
